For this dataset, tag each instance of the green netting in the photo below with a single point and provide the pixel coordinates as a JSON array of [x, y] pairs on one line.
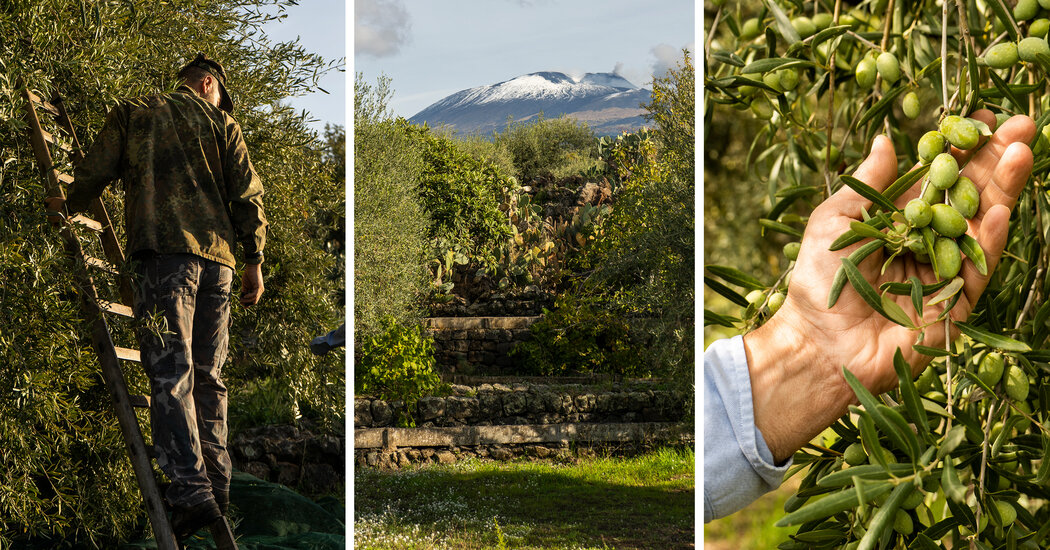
[[268, 516]]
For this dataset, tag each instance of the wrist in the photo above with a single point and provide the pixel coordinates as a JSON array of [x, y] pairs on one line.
[[797, 390]]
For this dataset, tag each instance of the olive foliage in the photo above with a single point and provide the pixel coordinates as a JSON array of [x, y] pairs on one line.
[[64, 473], [961, 456]]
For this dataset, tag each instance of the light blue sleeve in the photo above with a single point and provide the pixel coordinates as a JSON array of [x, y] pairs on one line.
[[738, 466]]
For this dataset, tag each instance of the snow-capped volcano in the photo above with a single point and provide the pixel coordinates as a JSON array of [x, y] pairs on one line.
[[607, 102]]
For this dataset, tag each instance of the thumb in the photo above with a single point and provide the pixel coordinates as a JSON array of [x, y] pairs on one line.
[[878, 171]]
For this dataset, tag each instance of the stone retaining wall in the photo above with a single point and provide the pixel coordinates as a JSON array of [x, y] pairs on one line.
[[502, 404], [398, 447], [507, 421], [295, 457], [469, 345]]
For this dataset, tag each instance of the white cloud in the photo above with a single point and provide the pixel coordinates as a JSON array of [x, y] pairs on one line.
[[667, 57], [381, 27]]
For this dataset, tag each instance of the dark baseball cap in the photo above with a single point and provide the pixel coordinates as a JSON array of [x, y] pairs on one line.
[[215, 69]]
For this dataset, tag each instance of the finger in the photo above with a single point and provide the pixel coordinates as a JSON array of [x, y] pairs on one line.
[[992, 238], [985, 164], [878, 171]]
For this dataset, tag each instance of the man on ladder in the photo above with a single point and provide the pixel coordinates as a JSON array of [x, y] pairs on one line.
[[191, 194]]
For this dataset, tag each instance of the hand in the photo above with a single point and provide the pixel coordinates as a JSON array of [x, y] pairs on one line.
[[796, 358], [251, 285], [56, 205]]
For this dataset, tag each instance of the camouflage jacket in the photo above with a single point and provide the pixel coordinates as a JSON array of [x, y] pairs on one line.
[[189, 185]]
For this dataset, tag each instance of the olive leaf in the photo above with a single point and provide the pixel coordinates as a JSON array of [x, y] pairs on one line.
[[735, 276], [909, 394], [951, 290], [868, 192], [856, 257], [993, 340], [974, 252], [833, 504], [780, 228], [883, 519]]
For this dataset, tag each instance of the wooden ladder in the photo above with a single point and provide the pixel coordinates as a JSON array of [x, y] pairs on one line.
[[95, 309]]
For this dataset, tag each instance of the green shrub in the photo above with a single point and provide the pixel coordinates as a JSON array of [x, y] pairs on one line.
[[390, 225], [579, 336], [397, 364], [487, 150], [549, 147], [460, 192]]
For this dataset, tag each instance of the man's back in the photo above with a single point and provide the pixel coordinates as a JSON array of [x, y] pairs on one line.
[[189, 184]]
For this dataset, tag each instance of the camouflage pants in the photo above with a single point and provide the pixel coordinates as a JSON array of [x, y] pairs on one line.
[[184, 361]]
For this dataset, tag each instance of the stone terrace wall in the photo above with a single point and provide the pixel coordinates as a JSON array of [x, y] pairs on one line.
[[468, 345], [296, 457], [506, 421], [502, 404]]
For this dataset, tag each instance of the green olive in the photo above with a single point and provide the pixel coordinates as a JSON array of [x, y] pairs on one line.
[[910, 105], [960, 132], [772, 79], [1039, 27], [913, 500], [788, 79], [944, 170], [888, 67], [902, 523], [791, 250], [762, 108], [1030, 48], [1045, 4], [1016, 383], [1001, 56], [949, 259], [866, 73], [990, 370], [1007, 513], [751, 29], [932, 195], [1025, 9], [918, 212], [804, 26], [822, 20], [775, 301], [947, 221], [914, 241], [930, 145], [756, 297], [964, 197], [855, 455]]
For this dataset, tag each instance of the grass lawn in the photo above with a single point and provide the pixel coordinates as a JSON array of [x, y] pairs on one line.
[[594, 503]]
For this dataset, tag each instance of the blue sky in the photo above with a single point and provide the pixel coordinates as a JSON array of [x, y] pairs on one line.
[[320, 26], [431, 49]]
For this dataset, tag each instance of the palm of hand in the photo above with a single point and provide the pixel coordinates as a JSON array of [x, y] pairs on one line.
[[852, 333]]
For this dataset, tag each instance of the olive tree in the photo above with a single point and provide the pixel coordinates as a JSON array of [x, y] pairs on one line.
[[959, 456]]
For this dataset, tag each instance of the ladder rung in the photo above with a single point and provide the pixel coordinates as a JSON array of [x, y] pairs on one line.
[[48, 137], [88, 223], [139, 401], [128, 354], [101, 264], [117, 309], [45, 105], [64, 178]]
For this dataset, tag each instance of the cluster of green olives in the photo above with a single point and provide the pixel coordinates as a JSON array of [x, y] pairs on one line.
[[947, 199]]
